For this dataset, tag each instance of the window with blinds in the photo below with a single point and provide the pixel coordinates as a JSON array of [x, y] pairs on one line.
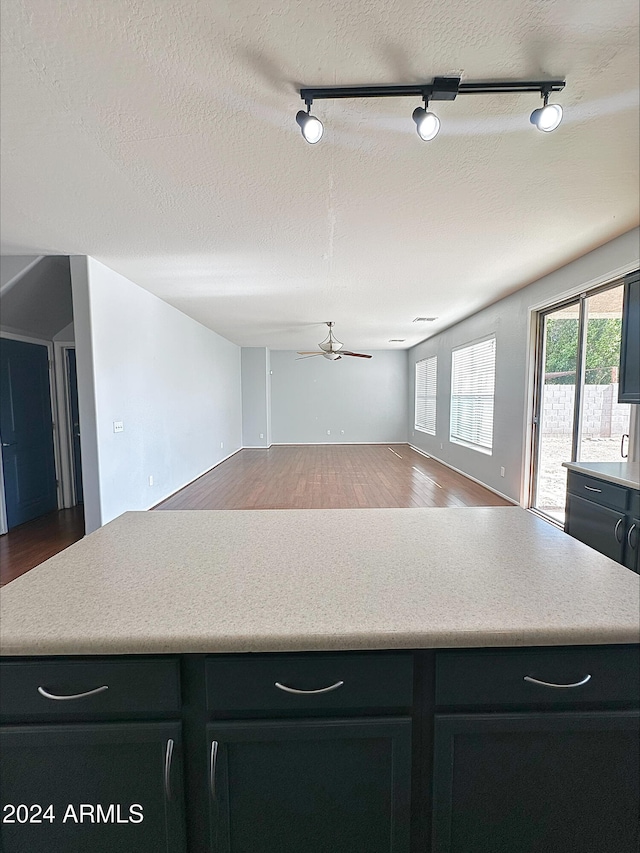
[[473, 372], [426, 387]]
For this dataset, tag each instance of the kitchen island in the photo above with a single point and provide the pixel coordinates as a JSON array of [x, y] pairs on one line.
[[359, 681]]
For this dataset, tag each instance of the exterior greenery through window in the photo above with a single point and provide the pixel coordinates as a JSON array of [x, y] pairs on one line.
[[473, 370], [426, 392], [602, 355]]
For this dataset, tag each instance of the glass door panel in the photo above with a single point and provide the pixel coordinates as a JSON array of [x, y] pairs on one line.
[[603, 421], [560, 335]]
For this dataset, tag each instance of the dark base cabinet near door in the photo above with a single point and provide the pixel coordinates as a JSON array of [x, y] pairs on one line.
[[604, 516], [530, 750]]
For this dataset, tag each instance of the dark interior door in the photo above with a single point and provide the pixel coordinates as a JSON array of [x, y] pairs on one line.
[[72, 380], [27, 431]]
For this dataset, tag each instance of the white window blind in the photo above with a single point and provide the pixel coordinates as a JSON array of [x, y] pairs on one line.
[[426, 387], [473, 372]]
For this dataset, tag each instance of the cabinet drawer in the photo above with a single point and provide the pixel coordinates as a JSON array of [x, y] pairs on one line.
[[496, 677], [313, 682], [133, 687], [598, 491]]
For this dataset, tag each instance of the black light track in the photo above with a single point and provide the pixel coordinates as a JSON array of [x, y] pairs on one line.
[[441, 89]]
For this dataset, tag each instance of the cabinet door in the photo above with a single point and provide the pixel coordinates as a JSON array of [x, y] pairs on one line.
[[597, 526], [130, 770], [318, 786], [536, 783], [632, 546], [629, 389]]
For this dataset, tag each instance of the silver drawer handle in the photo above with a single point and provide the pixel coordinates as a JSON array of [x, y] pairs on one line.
[[617, 528], [168, 756], [213, 760], [629, 532], [550, 684], [309, 692], [93, 692], [591, 489]]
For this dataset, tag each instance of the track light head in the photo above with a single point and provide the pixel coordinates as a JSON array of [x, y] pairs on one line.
[[427, 124], [547, 117], [310, 126]]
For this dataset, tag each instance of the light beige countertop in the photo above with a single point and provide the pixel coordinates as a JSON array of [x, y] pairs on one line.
[[300, 580], [624, 473]]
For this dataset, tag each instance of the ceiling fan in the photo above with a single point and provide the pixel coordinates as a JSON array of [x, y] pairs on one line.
[[331, 348]]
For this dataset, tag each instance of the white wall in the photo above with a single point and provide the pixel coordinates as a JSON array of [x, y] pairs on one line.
[[511, 320], [256, 425], [174, 383], [367, 398]]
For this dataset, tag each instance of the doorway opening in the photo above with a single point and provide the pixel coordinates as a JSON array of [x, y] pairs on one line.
[[577, 416]]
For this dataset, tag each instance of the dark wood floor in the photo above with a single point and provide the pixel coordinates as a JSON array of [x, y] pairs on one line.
[[334, 476], [32, 543], [330, 476]]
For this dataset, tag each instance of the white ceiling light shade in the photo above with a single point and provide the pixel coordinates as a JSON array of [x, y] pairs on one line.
[[427, 123], [547, 117], [310, 126]]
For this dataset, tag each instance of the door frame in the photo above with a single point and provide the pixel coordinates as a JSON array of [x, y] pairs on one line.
[[65, 426], [579, 296], [12, 336]]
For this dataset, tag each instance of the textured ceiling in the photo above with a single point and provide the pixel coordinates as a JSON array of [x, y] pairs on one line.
[[159, 137]]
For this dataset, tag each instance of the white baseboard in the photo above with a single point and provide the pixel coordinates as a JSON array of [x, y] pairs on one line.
[[312, 443], [464, 474], [189, 482]]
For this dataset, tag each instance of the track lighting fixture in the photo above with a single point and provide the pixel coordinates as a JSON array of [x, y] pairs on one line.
[[427, 124], [310, 126], [546, 118]]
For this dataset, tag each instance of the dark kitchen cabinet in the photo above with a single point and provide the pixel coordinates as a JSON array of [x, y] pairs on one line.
[[601, 528], [603, 515], [100, 788], [324, 752], [286, 786], [545, 782], [629, 387]]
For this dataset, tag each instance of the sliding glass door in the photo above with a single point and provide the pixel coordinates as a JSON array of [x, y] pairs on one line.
[[577, 416]]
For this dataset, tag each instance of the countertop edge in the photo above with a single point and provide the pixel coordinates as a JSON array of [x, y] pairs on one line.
[[583, 468]]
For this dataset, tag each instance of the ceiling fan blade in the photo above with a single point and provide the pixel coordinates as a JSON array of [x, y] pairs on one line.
[[311, 355], [356, 354], [315, 352]]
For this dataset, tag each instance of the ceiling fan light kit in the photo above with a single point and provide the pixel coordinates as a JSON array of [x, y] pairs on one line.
[[546, 118], [332, 349]]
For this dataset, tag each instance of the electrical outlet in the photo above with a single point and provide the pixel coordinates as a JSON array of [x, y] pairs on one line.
[[261, 435], [441, 446], [221, 445], [502, 472], [118, 426], [341, 432], [151, 479], [328, 432]]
